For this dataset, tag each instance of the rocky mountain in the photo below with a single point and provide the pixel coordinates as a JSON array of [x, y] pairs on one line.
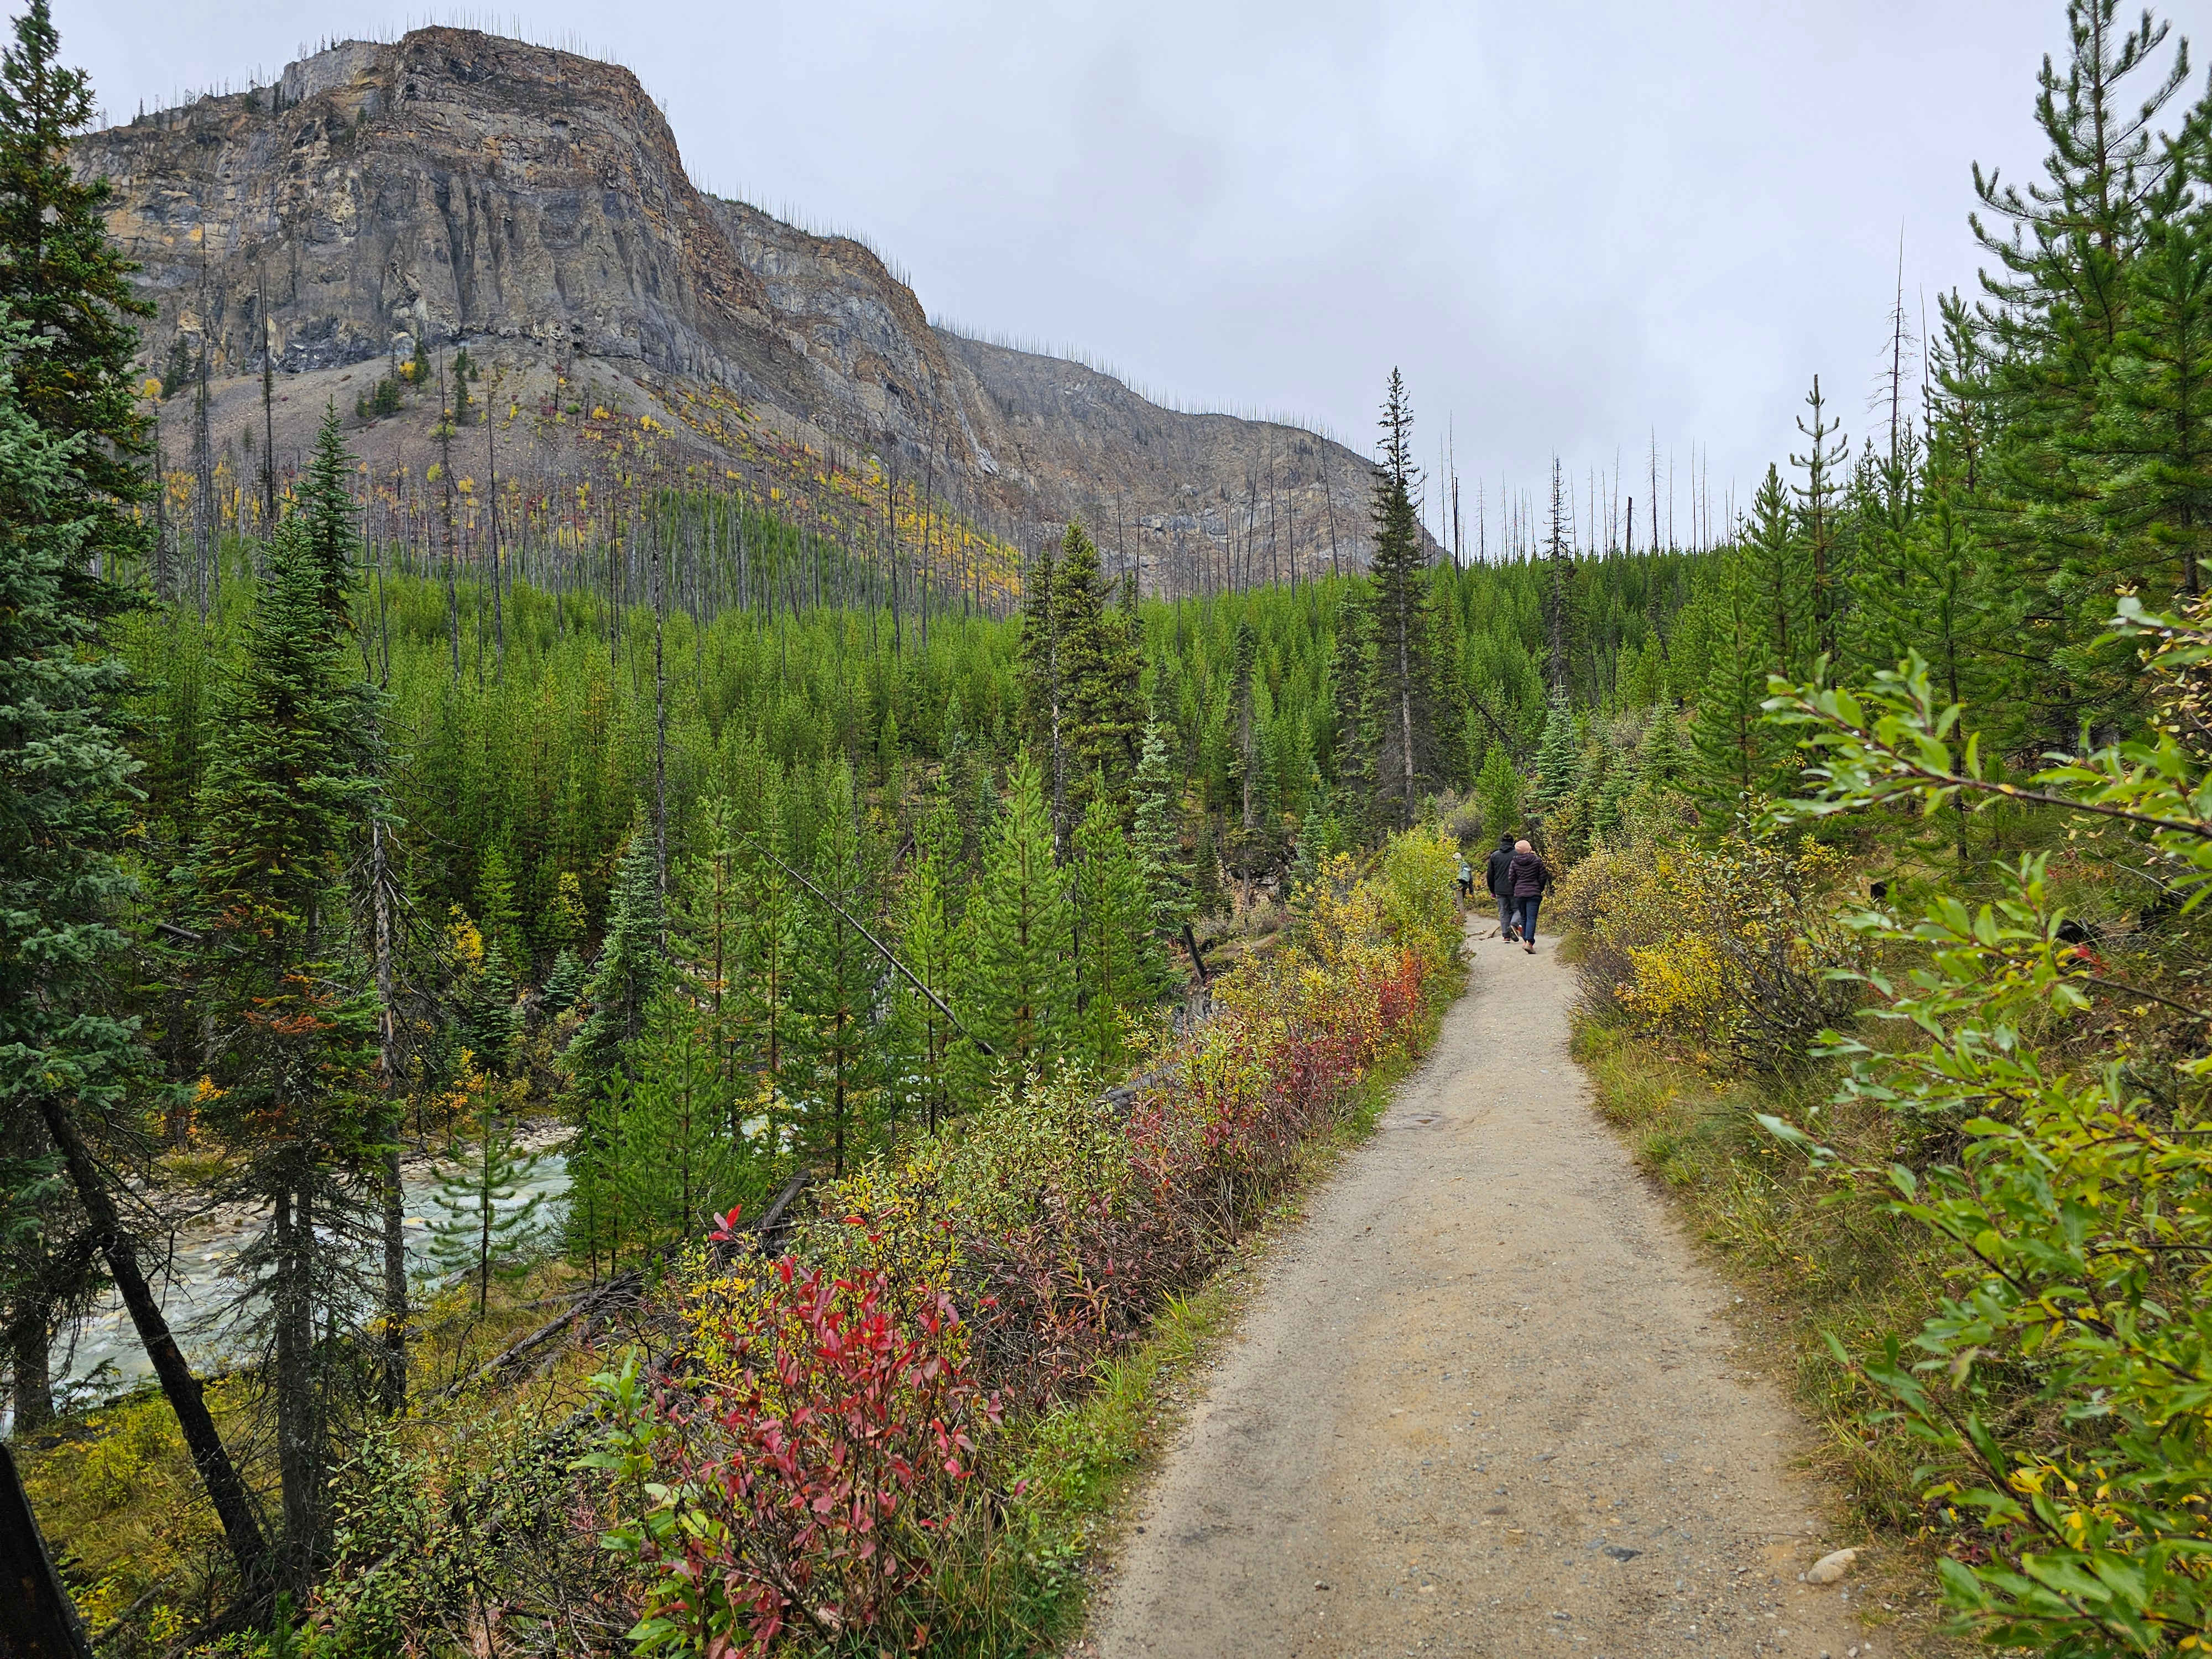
[[459, 189]]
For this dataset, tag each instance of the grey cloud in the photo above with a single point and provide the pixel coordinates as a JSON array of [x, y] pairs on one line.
[[1571, 224]]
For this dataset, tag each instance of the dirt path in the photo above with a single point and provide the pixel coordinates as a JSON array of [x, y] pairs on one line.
[[1485, 1402]]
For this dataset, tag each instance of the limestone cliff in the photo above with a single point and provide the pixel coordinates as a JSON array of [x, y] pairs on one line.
[[460, 189]]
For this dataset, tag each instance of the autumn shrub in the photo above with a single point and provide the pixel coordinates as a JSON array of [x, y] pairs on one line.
[[1728, 954], [820, 1427], [791, 1478]]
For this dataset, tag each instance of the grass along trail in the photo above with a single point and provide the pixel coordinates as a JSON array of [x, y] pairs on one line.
[[1485, 1401]]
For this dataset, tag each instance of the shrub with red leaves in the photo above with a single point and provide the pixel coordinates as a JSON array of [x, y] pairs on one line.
[[791, 1482]]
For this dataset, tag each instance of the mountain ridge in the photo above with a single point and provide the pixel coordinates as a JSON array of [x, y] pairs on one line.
[[459, 189]]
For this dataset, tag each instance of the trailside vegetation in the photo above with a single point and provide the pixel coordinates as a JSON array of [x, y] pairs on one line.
[[499, 911], [1900, 974]]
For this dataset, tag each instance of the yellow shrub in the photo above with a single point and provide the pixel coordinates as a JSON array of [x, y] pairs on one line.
[[1419, 877]]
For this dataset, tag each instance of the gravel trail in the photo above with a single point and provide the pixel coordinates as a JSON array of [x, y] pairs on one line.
[[1485, 1400]]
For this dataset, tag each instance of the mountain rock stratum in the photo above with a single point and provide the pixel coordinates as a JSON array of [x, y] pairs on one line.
[[454, 190]]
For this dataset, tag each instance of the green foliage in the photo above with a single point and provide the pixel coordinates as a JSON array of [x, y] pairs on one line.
[[489, 1225], [69, 286], [491, 1020], [1559, 760], [1119, 969], [2071, 1212], [1401, 700], [65, 779], [1021, 993], [633, 964], [837, 990]]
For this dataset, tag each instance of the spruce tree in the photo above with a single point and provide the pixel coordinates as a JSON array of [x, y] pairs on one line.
[[1100, 666], [1118, 966], [1156, 837], [1021, 992], [327, 506], [294, 1041], [64, 778], [632, 965], [491, 1019], [838, 987], [564, 983], [62, 279], [1558, 758], [1406, 740], [927, 945]]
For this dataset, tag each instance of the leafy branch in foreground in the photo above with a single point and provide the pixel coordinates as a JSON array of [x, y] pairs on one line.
[[2063, 1384]]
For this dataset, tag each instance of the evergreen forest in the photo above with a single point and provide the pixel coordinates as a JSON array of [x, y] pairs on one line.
[[718, 1029]]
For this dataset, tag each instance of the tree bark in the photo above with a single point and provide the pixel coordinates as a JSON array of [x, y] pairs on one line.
[[233, 1504], [388, 1061]]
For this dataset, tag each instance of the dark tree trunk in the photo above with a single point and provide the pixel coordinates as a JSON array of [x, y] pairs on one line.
[[233, 1504]]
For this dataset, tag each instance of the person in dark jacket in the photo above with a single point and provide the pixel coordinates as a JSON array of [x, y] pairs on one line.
[[1494, 877], [1527, 877]]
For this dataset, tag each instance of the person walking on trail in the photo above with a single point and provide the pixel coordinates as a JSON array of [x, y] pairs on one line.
[[1500, 888], [1528, 876], [1465, 882]]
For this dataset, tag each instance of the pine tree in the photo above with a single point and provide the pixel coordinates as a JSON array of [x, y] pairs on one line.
[[1735, 748], [707, 937], [327, 506], [491, 1019], [1499, 789], [770, 947], [497, 916], [1818, 517], [1558, 758], [1118, 966], [64, 280], [678, 1160], [838, 987], [1351, 691], [488, 1219], [1774, 580], [2041, 359], [1405, 745], [2152, 434], [1560, 594], [633, 964], [1044, 713], [1021, 993], [1099, 670], [294, 1041], [927, 938], [1156, 837]]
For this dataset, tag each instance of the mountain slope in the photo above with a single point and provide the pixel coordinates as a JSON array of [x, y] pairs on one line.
[[455, 188]]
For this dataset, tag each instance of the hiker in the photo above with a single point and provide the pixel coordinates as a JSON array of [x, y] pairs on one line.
[[1527, 876], [1465, 882], [1494, 876]]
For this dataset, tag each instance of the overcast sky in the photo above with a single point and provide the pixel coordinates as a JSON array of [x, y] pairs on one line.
[[1573, 223]]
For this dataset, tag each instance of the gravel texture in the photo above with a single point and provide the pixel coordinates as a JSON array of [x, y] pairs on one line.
[[1485, 1400]]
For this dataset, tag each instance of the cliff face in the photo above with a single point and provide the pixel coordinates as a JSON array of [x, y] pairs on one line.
[[461, 188]]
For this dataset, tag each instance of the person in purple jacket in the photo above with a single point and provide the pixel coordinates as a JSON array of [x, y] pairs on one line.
[[1526, 878]]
